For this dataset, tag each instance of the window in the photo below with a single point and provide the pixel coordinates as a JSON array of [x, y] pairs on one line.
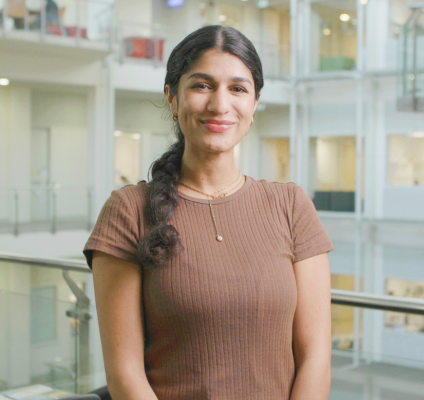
[[405, 160], [276, 159], [127, 157], [332, 173]]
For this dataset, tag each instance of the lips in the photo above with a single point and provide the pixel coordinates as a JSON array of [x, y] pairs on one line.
[[215, 125]]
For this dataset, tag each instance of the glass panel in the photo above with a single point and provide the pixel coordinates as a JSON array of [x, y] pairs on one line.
[[405, 160], [276, 159], [24, 362], [127, 157], [359, 375], [332, 173], [43, 314], [333, 35], [52, 340]]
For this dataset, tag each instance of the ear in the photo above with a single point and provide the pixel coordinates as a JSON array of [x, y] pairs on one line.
[[171, 99], [256, 103]]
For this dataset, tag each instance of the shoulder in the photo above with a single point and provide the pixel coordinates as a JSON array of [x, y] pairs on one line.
[[285, 191], [132, 195]]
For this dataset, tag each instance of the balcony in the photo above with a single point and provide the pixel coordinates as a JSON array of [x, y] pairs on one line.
[[44, 208], [63, 28], [152, 44]]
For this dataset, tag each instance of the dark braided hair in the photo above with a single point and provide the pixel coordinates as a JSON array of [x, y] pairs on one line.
[[162, 239]]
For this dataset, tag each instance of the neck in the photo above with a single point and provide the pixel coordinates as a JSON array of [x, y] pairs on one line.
[[209, 174]]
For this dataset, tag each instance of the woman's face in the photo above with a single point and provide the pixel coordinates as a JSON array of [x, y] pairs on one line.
[[215, 102]]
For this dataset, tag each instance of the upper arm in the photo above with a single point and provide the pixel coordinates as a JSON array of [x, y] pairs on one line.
[[312, 318], [118, 291]]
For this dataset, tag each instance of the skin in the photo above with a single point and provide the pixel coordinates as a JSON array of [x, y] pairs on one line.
[[208, 161], [208, 164]]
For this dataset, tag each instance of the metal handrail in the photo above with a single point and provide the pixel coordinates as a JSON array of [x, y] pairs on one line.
[[51, 262], [342, 297], [55, 186]]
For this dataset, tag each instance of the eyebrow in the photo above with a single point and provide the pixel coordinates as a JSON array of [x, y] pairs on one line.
[[210, 77]]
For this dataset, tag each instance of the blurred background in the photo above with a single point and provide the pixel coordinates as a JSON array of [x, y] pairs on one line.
[[341, 114]]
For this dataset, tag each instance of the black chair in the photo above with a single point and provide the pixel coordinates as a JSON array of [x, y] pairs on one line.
[[102, 392]]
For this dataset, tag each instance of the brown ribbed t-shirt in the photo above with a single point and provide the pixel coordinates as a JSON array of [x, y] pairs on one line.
[[219, 316]]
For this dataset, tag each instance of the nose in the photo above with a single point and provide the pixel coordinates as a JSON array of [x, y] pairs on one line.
[[219, 101]]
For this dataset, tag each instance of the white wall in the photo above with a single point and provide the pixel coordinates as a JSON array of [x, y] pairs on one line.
[[137, 11], [274, 121]]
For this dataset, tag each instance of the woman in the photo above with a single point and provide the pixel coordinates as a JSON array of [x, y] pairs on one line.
[[210, 284]]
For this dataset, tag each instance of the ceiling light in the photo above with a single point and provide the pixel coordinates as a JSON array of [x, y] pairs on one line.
[[418, 134], [117, 133], [344, 17], [263, 3], [326, 31], [222, 18], [364, 1], [4, 82], [136, 136]]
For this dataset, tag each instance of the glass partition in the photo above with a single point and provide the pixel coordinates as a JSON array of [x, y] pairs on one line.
[[332, 173], [405, 160], [276, 159], [333, 35]]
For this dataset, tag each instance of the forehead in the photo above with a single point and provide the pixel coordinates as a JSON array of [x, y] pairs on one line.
[[220, 65]]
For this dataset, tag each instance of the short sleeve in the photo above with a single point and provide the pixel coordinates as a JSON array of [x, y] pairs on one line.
[[308, 233], [116, 231]]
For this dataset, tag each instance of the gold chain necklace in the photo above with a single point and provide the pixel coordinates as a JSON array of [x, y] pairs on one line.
[[218, 236]]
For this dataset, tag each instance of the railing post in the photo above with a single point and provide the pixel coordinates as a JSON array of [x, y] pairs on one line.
[[54, 222], [82, 313], [43, 24], [89, 209], [4, 18], [78, 22], [16, 196], [26, 21]]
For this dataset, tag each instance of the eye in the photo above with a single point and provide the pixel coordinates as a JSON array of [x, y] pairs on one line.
[[241, 89], [199, 86]]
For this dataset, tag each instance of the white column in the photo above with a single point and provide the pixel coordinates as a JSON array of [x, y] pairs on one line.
[[101, 154], [20, 145]]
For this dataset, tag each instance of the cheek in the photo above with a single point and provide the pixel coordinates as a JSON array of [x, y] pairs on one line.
[[193, 104]]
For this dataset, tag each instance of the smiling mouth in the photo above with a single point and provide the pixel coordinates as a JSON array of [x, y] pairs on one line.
[[217, 126]]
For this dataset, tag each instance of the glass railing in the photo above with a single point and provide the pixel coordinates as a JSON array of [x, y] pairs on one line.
[[45, 208], [49, 334], [49, 331], [74, 21]]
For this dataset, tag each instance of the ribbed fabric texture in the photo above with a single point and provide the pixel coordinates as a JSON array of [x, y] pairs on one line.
[[219, 316]]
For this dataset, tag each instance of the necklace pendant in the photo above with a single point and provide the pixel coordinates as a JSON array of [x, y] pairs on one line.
[[219, 238]]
